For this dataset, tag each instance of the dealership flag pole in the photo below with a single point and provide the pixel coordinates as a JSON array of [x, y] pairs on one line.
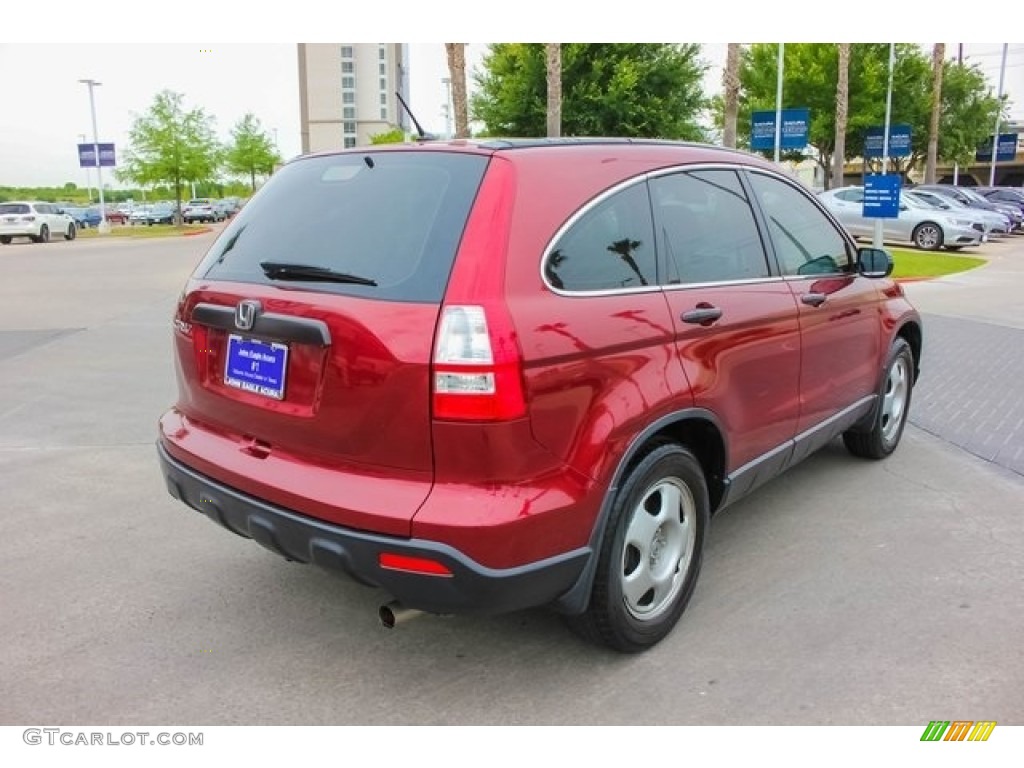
[[995, 135], [877, 239]]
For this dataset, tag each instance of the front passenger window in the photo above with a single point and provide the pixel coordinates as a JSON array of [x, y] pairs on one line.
[[805, 241]]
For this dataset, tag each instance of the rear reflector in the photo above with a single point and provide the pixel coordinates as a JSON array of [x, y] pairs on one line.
[[421, 565]]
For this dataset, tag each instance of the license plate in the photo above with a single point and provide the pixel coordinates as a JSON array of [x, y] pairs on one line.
[[256, 366]]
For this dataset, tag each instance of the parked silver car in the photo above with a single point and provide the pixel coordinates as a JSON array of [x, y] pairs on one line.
[[926, 227], [993, 222]]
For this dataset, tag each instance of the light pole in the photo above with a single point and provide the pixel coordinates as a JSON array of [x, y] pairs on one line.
[[995, 135], [104, 226], [877, 239], [778, 101], [88, 176], [447, 106]]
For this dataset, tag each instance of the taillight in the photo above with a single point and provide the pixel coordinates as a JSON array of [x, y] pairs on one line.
[[477, 372]]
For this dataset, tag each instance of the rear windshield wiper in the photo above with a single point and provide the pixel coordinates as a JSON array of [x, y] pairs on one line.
[[284, 270]]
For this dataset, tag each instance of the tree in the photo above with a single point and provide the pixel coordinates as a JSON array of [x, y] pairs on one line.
[[731, 85], [842, 108], [251, 151], [554, 87], [457, 72], [968, 112], [812, 79], [394, 135], [170, 145], [609, 89], [938, 60]]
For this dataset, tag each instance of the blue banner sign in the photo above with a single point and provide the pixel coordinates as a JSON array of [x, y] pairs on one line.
[[1006, 149], [795, 124], [899, 141], [882, 196], [87, 155]]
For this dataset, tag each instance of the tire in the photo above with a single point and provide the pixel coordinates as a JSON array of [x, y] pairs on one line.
[[651, 553], [71, 233], [927, 236], [5, 239], [44, 235], [890, 417]]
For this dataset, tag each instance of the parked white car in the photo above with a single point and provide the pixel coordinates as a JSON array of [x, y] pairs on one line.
[[36, 221], [926, 227]]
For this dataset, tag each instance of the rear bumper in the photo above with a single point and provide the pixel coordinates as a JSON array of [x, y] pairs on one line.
[[470, 589]]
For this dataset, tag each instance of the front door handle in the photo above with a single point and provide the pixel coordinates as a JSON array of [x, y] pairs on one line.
[[813, 299], [702, 315]]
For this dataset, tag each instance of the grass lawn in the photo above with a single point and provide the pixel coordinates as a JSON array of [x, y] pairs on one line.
[[157, 230], [910, 263]]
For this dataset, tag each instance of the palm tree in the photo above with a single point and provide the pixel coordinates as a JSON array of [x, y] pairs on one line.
[[938, 55], [731, 82], [554, 70], [457, 71], [842, 107]]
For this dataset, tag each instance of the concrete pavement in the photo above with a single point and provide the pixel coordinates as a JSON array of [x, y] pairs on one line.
[[971, 391], [847, 592]]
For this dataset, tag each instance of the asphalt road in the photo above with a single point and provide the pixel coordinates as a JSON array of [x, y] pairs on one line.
[[848, 592]]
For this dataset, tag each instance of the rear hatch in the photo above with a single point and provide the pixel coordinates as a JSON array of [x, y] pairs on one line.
[[304, 338]]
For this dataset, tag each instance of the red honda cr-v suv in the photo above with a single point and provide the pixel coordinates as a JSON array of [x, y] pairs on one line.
[[488, 376]]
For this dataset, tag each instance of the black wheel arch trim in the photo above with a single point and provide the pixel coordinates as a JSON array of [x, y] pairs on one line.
[[577, 598]]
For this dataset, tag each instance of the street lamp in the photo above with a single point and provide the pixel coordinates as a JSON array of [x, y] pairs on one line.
[[88, 176], [447, 81], [104, 226]]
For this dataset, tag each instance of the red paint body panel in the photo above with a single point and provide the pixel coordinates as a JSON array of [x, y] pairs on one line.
[[842, 345], [745, 367]]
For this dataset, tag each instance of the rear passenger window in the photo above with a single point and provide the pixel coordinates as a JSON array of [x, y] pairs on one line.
[[805, 241], [706, 228], [610, 247]]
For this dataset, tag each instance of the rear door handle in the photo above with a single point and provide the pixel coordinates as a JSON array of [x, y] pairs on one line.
[[701, 316], [813, 299]]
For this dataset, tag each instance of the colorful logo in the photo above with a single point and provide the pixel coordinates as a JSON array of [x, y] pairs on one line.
[[958, 730]]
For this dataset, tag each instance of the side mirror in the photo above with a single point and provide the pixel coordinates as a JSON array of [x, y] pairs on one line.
[[874, 262]]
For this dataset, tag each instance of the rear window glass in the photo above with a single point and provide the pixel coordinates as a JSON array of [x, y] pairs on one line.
[[13, 208], [395, 218]]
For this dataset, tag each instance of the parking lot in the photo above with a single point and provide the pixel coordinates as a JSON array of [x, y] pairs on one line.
[[847, 592]]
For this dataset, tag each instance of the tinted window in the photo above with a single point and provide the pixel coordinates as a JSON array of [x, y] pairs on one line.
[[805, 241], [13, 208], [610, 247], [392, 217], [851, 195], [706, 228]]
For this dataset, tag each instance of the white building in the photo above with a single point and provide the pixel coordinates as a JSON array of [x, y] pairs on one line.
[[347, 92]]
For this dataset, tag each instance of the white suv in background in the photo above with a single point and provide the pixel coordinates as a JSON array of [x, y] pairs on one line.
[[36, 221]]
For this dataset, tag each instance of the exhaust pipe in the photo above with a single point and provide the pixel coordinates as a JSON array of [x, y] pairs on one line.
[[394, 613]]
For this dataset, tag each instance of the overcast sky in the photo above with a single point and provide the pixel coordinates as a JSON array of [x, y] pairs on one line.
[[44, 110]]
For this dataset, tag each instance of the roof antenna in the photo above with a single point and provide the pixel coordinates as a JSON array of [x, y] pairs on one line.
[[424, 136]]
